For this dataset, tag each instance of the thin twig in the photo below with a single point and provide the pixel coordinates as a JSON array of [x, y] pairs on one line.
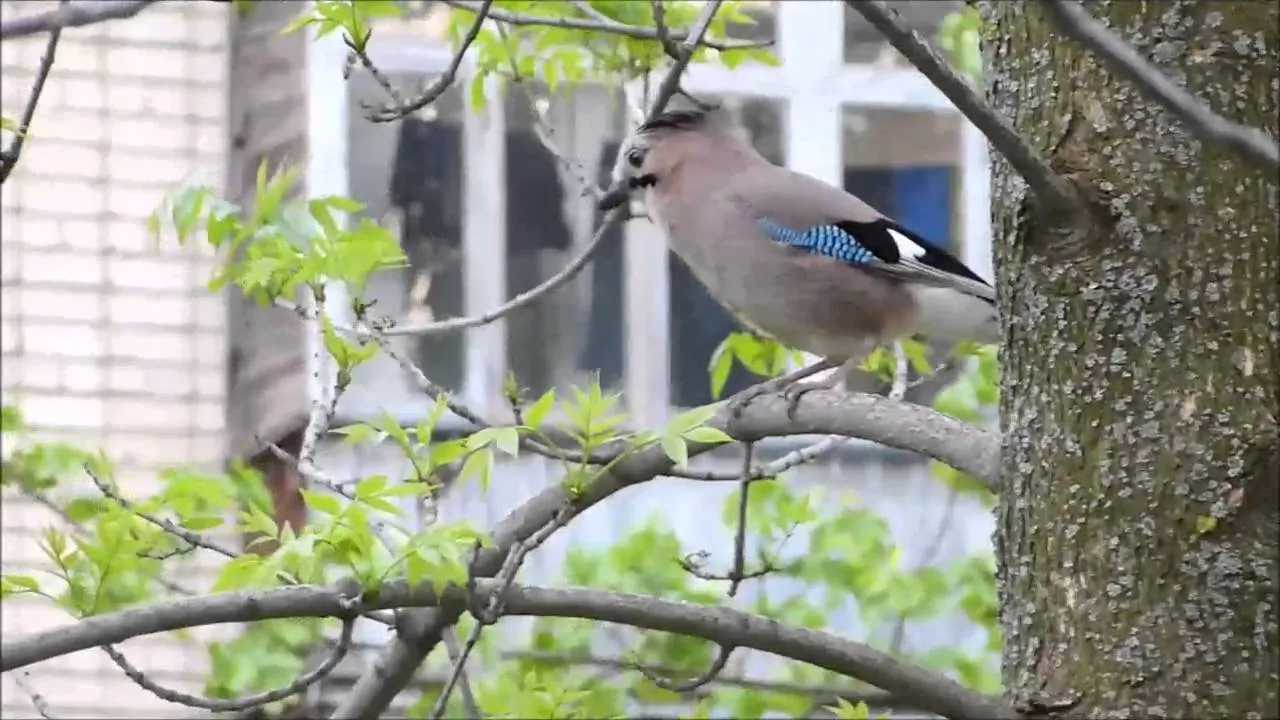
[[671, 81], [9, 158], [600, 25], [703, 678], [72, 16], [190, 538], [899, 634], [297, 686], [38, 701], [489, 614], [324, 393], [740, 539], [669, 45], [79, 529], [1049, 188], [821, 694], [442, 83], [1255, 146]]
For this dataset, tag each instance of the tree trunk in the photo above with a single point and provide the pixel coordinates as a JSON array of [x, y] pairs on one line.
[[1138, 536]]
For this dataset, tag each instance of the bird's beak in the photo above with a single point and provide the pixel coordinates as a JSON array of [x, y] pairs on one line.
[[617, 194]]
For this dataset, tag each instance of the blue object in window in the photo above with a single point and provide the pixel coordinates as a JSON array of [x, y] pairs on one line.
[[922, 201]]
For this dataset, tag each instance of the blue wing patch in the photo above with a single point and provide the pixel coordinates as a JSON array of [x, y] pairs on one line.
[[827, 240]]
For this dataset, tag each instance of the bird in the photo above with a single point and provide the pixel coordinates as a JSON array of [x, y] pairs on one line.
[[790, 256]]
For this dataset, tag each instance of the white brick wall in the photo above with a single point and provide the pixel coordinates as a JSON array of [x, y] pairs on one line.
[[107, 340]]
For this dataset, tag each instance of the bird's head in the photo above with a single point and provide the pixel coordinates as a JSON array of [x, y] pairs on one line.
[[645, 158]]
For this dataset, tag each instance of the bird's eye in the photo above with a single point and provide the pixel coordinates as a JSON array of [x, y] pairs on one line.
[[635, 156]]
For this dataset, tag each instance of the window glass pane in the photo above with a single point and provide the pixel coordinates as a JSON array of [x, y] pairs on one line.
[[558, 146], [906, 164], [697, 322], [864, 44], [408, 174]]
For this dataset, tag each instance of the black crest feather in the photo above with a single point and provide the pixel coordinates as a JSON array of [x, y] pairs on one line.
[[675, 120]]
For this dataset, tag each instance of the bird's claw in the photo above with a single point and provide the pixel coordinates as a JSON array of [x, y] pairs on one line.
[[793, 393], [736, 406]]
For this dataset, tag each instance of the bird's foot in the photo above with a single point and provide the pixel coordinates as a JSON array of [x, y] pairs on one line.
[[738, 404], [793, 393]]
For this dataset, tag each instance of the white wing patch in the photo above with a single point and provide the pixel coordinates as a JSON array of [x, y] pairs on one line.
[[906, 246]]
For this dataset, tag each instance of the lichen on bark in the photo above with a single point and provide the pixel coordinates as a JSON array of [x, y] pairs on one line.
[[1138, 532]]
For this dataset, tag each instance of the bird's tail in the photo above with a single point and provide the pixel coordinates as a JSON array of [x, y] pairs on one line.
[[951, 315]]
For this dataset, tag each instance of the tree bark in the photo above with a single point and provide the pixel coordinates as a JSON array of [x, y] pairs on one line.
[[1138, 536]]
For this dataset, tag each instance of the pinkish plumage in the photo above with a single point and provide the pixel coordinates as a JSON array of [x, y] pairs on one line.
[[709, 190]]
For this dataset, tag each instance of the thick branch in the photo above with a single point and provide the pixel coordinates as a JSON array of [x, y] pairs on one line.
[[1252, 144], [931, 691], [1048, 187], [71, 16], [893, 423]]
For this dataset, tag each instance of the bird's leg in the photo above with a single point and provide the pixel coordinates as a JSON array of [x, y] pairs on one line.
[[794, 392], [739, 402]]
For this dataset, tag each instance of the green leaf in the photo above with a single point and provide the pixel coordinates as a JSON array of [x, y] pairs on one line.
[[17, 585], [203, 523], [707, 435], [322, 502], [690, 419], [237, 573], [845, 710], [675, 448], [479, 464], [360, 433], [11, 420], [537, 412], [371, 487]]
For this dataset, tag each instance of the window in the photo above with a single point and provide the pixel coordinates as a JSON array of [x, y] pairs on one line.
[[568, 337], [409, 176]]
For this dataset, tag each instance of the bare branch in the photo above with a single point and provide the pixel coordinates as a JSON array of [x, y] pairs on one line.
[[599, 23], [9, 158], [1255, 146], [190, 538], [737, 574], [822, 694], [930, 690], [80, 530], [1049, 188], [669, 45], [488, 613], [296, 687], [23, 681], [528, 297], [437, 88], [693, 683], [72, 16]]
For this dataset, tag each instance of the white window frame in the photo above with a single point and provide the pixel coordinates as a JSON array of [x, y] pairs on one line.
[[814, 81]]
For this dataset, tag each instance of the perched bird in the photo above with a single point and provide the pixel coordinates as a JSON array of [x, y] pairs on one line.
[[791, 256]]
